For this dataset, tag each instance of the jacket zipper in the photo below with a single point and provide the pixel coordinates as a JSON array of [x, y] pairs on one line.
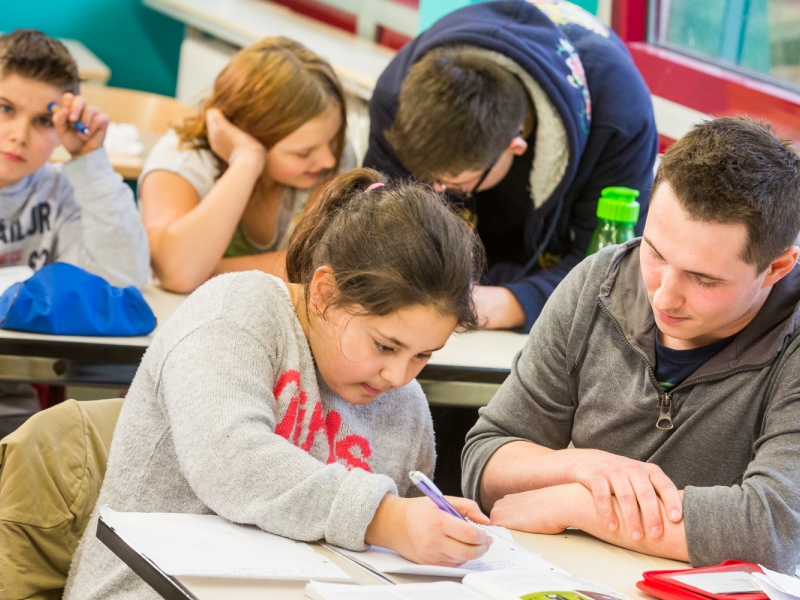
[[665, 411]]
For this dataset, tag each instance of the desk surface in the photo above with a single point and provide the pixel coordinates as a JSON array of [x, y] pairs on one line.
[[576, 552], [242, 22], [478, 357], [127, 165]]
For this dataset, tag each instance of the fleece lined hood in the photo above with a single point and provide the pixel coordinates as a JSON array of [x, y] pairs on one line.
[[539, 42]]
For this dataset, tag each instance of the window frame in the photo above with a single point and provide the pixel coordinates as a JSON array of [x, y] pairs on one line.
[[702, 87]]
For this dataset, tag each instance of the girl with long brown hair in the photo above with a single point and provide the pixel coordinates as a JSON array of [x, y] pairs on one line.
[[221, 192], [292, 405]]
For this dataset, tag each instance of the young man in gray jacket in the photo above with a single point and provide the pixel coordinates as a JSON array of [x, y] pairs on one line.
[[672, 365]]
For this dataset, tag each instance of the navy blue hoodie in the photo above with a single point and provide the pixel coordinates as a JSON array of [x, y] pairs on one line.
[[604, 105]]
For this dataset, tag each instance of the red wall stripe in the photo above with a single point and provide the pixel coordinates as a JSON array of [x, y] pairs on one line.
[[714, 90]]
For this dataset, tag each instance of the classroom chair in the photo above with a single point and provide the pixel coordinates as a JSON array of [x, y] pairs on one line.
[[51, 471]]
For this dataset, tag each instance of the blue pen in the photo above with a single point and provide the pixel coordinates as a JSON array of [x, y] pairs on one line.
[[77, 125], [427, 487]]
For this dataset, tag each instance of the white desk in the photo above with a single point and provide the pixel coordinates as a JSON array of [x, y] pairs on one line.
[[357, 61], [63, 360], [90, 68], [477, 361], [574, 551]]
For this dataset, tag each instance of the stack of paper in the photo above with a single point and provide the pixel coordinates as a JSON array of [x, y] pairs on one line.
[[778, 586], [208, 545]]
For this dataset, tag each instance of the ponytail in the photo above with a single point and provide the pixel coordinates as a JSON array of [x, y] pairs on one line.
[[389, 246], [324, 202]]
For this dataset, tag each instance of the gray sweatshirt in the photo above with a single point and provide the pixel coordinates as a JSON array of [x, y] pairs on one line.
[[735, 445], [227, 414], [83, 214]]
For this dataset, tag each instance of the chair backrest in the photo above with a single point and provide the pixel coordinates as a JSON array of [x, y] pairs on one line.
[[149, 112], [51, 472]]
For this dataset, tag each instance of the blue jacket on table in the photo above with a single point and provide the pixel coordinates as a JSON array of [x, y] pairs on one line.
[[595, 125]]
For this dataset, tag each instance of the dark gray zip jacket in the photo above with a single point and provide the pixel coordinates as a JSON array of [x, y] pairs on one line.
[[735, 442]]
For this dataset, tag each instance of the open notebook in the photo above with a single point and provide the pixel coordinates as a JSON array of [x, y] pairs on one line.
[[488, 585], [504, 554]]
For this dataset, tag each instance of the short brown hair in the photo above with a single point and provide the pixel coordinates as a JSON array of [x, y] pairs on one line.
[[269, 90], [457, 112], [32, 54], [390, 247], [737, 170]]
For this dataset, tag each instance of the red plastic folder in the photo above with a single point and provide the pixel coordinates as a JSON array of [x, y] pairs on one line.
[[662, 584]]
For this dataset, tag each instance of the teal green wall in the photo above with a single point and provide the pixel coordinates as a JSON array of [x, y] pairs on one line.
[[431, 11], [139, 45]]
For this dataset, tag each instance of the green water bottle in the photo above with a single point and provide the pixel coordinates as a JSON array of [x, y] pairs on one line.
[[617, 213]]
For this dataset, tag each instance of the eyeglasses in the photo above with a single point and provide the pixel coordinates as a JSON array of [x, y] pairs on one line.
[[464, 203], [468, 194], [465, 194]]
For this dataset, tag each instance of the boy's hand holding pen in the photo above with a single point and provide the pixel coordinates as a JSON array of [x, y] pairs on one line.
[[81, 128]]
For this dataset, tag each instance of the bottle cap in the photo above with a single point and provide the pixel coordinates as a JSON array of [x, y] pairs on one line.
[[618, 204]]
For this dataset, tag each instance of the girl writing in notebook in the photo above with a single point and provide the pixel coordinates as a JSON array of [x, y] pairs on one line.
[[293, 406], [220, 193]]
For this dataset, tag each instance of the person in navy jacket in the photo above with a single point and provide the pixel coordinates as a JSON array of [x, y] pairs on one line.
[[521, 112]]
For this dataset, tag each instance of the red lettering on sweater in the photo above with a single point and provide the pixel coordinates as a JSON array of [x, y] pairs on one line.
[[344, 446], [292, 426]]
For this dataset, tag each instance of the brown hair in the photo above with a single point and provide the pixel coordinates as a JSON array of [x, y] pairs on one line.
[[32, 54], [457, 111], [269, 90], [393, 246], [737, 170]]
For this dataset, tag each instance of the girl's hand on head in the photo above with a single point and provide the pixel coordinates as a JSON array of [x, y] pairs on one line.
[[421, 532], [71, 110], [232, 144]]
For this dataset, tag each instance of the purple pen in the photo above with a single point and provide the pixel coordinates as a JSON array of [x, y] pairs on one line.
[[427, 487], [77, 125]]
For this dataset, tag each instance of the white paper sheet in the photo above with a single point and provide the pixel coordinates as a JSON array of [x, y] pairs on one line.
[[208, 545], [731, 582], [503, 554], [777, 585], [441, 590], [11, 275]]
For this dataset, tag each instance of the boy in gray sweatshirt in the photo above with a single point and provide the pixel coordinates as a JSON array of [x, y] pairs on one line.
[[671, 364], [82, 214]]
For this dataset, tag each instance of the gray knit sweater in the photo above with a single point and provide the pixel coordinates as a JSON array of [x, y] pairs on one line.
[[228, 415], [83, 214]]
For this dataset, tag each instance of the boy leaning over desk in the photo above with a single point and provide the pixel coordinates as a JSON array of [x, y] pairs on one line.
[[672, 363], [83, 214]]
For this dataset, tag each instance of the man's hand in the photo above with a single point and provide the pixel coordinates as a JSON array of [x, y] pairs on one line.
[[497, 308], [546, 510], [552, 509], [421, 532], [637, 487], [71, 110], [232, 144]]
